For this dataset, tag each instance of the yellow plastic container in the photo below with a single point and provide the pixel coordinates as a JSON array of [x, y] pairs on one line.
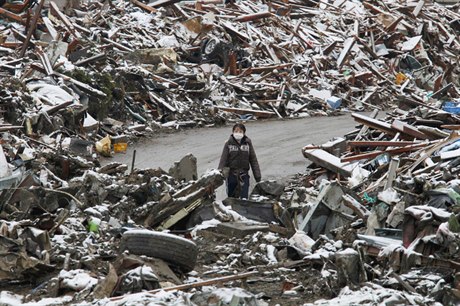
[[400, 78], [120, 147]]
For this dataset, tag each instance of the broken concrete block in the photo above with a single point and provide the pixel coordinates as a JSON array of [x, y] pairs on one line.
[[348, 262], [258, 211], [185, 169]]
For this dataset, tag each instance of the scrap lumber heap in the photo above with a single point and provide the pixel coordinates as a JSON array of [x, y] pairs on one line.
[[374, 218], [185, 63]]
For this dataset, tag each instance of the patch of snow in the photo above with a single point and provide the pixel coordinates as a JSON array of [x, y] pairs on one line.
[[271, 237], [204, 225], [271, 254], [142, 18], [76, 279]]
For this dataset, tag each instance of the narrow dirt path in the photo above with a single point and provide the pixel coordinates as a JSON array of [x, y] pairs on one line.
[[277, 145]]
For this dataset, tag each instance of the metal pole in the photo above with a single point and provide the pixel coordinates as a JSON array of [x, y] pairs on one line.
[[134, 160]]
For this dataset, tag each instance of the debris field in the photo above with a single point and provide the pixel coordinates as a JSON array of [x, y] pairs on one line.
[[373, 217]]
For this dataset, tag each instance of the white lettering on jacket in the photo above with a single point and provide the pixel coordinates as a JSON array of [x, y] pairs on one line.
[[233, 148]]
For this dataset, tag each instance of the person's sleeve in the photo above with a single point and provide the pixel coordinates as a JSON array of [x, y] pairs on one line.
[[223, 157], [254, 163]]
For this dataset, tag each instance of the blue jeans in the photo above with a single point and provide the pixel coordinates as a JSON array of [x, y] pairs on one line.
[[238, 185]]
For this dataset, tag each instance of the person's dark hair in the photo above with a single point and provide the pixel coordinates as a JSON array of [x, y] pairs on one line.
[[240, 126]]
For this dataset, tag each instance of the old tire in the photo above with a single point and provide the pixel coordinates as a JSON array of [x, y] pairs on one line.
[[173, 249]]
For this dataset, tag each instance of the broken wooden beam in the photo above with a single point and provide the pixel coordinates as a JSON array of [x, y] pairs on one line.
[[374, 154], [374, 123], [407, 129], [390, 143], [31, 29], [11, 16], [253, 17]]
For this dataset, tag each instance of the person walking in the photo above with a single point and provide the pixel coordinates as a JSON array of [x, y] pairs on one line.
[[237, 156]]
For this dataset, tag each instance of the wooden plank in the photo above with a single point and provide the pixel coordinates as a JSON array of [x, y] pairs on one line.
[[381, 143], [408, 129], [394, 24], [104, 39], [418, 8], [160, 100], [374, 123], [347, 46], [394, 165], [95, 58], [50, 27], [374, 154], [327, 161]]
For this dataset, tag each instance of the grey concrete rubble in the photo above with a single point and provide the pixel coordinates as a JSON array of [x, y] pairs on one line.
[[374, 218]]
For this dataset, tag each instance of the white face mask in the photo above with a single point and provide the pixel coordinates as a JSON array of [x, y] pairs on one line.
[[238, 136]]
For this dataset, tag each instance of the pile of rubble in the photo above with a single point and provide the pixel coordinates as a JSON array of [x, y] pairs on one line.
[[375, 215], [182, 63]]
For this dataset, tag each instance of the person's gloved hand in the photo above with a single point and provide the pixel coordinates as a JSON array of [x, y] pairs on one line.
[[258, 179]]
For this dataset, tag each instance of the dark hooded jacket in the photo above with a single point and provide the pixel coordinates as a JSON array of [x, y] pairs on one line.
[[239, 156]]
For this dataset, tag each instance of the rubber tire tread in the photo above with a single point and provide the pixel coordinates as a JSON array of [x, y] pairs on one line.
[[173, 250]]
